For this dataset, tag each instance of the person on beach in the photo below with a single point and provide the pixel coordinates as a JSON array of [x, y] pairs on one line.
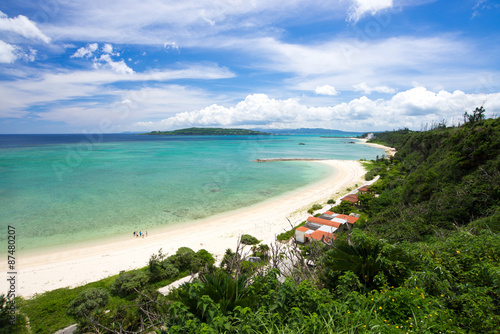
[[146, 233], [134, 233]]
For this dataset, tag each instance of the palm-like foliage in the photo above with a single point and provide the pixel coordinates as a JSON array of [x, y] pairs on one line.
[[367, 260], [224, 292]]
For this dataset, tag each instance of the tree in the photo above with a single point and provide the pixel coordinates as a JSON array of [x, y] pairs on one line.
[[88, 302], [476, 116], [247, 239], [128, 283]]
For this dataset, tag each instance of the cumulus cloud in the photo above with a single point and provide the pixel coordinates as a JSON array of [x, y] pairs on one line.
[[326, 90], [410, 108], [363, 87], [118, 66], [107, 48], [85, 51], [362, 7], [7, 52], [102, 58], [21, 25]]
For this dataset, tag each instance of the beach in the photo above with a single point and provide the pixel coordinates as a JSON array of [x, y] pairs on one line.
[[71, 266], [389, 150]]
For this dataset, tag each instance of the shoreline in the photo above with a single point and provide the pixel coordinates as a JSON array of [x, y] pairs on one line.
[[391, 151], [73, 266]]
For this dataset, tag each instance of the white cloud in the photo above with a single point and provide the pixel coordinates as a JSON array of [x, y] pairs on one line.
[[104, 59], [326, 90], [107, 48], [128, 106], [85, 51], [441, 60], [21, 25], [118, 66], [363, 87], [171, 45], [7, 52], [410, 108], [362, 7], [189, 21], [50, 87]]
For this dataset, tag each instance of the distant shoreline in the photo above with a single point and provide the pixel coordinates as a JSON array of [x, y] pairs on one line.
[[288, 159]]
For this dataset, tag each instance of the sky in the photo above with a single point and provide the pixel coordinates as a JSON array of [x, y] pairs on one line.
[[72, 66]]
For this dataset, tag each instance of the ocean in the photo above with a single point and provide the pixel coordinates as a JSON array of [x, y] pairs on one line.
[[64, 189]]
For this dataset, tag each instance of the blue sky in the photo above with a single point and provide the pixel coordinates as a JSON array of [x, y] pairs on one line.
[[353, 65]]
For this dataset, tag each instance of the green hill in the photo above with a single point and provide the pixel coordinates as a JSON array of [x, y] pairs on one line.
[[208, 132], [443, 179]]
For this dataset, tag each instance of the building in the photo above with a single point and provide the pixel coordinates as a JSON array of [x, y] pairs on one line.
[[351, 198], [365, 190], [324, 227]]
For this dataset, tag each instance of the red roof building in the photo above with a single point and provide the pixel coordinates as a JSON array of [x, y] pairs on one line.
[[321, 221], [350, 219], [351, 198]]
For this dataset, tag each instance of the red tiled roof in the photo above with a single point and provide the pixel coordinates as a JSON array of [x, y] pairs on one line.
[[350, 219], [331, 213], [364, 188], [302, 229], [321, 221], [350, 198]]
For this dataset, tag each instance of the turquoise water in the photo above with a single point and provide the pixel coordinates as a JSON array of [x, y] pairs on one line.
[[69, 191]]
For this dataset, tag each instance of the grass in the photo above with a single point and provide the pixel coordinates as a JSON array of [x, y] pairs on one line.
[[47, 311]]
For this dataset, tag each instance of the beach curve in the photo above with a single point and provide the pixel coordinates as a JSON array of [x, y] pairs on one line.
[[38, 273]]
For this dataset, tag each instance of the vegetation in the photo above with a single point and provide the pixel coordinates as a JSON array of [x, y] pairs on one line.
[[208, 132], [288, 234], [247, 239], [315, 207], [425, 259]]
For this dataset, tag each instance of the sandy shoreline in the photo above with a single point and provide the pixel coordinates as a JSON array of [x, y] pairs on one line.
[[389, 150], [37, 273]]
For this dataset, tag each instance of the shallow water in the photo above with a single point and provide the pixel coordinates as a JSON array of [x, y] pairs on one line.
[[62, 189]]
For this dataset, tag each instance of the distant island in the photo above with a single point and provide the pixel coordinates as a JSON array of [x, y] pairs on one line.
[[208, 132]]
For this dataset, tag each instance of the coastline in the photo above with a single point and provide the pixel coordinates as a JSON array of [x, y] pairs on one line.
[[73, 266], [391, 151]]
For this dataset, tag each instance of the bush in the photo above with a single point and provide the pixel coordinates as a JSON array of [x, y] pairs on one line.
[[185, 259], [247, 239], [127, 282], [88, 302], [205, 257]]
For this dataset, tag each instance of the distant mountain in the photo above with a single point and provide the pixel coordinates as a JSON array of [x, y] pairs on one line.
[[309, 131], [208, 132]]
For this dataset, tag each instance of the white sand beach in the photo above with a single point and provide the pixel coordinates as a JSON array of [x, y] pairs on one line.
[[73, 266], [389, 150]]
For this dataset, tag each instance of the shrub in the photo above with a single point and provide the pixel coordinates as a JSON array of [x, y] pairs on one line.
[[205, 257], [185, 259], [127, 282], [247, 239], [88, 302]]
